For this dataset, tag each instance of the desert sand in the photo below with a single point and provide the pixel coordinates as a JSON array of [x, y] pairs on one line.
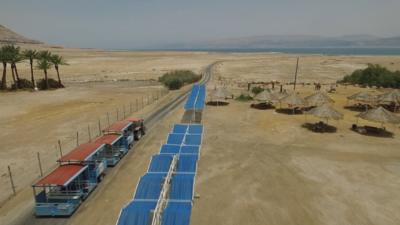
[[257, 167]]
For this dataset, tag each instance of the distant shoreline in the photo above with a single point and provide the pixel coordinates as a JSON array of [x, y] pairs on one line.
[[319, 51]]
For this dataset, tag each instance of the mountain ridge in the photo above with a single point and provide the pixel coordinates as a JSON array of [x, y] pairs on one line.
[[9, 36]]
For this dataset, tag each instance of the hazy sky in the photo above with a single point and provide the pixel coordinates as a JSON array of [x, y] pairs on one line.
[[145, 23]]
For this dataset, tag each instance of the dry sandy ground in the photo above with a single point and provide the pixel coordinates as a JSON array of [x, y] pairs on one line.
[[26, 120], [262, 167]]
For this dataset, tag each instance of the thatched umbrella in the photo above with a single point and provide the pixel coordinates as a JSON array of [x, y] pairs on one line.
[[218, 95], [392, 97], [293, 100], [318, 99], [380, 115], [265, 96], [326, 112], [363, 96]]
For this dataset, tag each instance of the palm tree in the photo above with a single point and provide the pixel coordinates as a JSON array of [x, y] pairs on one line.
[[44, 64], [58, 60], [31, 54], [16, 57], [4, 57]]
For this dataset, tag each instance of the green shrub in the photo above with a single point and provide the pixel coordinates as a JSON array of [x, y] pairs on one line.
[[176, 79], [53, 84], [374, 75], [244, 98], [257, 90]]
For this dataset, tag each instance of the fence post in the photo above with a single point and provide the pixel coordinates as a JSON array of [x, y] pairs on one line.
[[90, 136], [99, 128], [124, 111], [40, 164], [108, 118], [77, 138], [117, 114], [11, 180], [59, 148]]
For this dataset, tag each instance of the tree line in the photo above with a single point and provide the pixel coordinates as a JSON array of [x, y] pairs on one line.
[[374, 76], [45, 60]]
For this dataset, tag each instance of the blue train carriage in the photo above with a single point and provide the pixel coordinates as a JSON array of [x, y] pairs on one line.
[[61, 192], [114, 150], [124, 128], [89, 155]]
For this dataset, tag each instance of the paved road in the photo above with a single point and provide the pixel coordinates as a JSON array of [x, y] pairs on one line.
[[27, 216]]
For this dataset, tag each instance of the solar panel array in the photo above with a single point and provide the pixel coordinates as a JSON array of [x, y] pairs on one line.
[[196, 98], [183, 145]]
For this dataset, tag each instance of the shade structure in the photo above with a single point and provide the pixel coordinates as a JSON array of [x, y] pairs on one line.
[[280, 95], [380, 115], [175, 139], [149, 186], [392, 97], [364, 97], [187, 163], [192, 139], [266, 96], [318, 99], [219, 94], [61, 176], [160, 163], [326, 112], [170, 149], [137, 213], [190, 149], [293, 100], [177, 213], [182, 187]]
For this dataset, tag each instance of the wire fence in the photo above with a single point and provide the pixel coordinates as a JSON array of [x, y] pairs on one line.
[[46, 159]]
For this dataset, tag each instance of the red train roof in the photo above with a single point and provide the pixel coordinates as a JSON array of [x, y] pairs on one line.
[[134, 120], [119, 126], [108, 139], [82, 152], [61, 176]]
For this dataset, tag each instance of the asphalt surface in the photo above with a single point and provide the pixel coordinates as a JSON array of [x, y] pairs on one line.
[[27, 216]]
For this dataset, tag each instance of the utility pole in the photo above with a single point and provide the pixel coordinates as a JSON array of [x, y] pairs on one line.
[[295, 75]]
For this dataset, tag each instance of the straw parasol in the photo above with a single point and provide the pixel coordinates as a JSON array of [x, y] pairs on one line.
[[293, 100], [318, 99], [265, 96], [218, 94], [390, 97], [363, 97], [325, 111], [380, 115]]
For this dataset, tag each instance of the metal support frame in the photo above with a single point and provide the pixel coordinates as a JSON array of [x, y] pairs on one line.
[[162, 201]]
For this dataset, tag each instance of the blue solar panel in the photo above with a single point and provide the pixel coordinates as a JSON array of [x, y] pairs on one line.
[[136, 213], [190, 149], [187, 163], [192, 139], [160, 163], [191, 101], [169, 149], [195, 129], [175, 139], [180, 128], [149, 186], [177, 213], [182, 187]]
